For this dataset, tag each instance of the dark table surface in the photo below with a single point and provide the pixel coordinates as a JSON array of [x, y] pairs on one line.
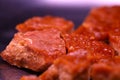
[[13, 12]]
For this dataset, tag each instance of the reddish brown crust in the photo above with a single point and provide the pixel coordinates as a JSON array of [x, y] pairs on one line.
[[83, 45], [81, 30], [39, 23]]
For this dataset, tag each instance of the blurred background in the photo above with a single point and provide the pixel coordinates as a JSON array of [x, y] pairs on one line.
[[13, 12]]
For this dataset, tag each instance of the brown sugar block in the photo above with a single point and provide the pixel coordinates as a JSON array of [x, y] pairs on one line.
[[83, 45], [81, 30], [39, 23], [68, 68], [35, 50], [99, 20]]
